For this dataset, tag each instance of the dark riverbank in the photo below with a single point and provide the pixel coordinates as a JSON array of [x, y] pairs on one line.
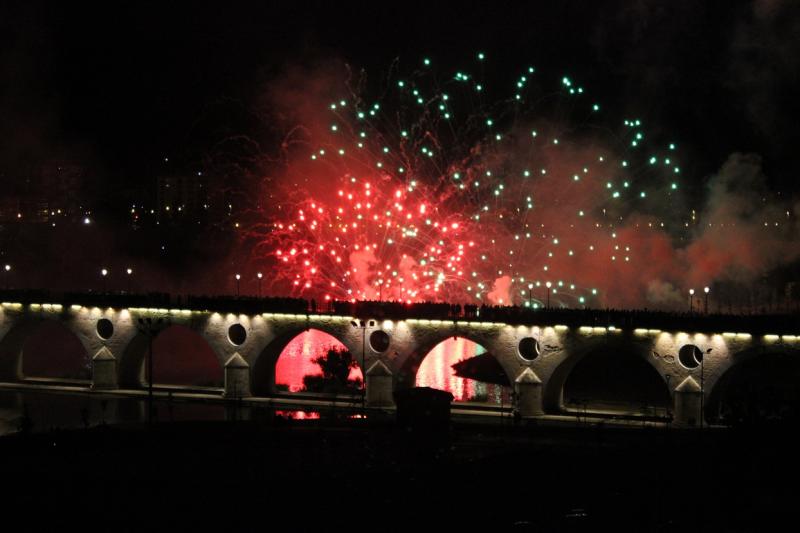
[[357, 474]]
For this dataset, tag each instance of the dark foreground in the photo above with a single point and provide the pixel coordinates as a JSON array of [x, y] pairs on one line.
[[374, 476]]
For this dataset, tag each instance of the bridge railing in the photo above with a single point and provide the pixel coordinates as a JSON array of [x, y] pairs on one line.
[[248, 305], [619, 318]]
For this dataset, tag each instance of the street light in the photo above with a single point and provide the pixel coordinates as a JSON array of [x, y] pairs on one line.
[[691, 300], [259, 276], [362, 325], [666, 408], [699, 357], [530, 294], [706, 290], [238, 277], [548, 285], [129, 272], [7, 268], [150, 328], [104, 273], [702, 390]]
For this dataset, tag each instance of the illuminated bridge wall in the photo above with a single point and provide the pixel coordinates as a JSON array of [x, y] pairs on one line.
[[248, 346]]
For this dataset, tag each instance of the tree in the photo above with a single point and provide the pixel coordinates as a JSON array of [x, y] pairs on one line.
[[335, 365]]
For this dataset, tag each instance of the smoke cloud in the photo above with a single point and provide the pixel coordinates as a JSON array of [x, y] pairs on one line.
[[635, 250], [745, 231]]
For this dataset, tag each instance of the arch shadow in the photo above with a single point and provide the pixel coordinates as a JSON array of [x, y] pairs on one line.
[[607, 373], [53, 351], [181, 356], [762, 384]]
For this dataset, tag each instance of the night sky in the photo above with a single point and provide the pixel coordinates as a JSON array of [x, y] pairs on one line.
[[123, 86]]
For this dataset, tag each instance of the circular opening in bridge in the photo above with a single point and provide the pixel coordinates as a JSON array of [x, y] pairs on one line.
[[237, 334], [105, 329], [379, 341], [529, 348], [690, 356]]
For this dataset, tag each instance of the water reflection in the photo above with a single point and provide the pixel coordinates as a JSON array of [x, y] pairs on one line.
[[296, 360], [298, 415], [48, 411], [437, 371], [43, 412]]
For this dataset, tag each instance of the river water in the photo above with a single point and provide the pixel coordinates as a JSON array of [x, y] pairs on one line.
[[436, 370], [45, 411], [74, 410]]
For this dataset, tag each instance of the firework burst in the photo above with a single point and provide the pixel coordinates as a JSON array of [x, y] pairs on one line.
[[447, 188]]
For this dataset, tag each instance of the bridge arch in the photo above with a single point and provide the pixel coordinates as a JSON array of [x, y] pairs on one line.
[[181, 356], [44, 340], [264, 366], [435, 370], [759, 383], [407, 372], [592, 358]]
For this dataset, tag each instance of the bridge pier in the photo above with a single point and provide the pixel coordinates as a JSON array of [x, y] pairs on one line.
[[528, 387], [379, 385], [104, 370], [237, 377], [687, 404]]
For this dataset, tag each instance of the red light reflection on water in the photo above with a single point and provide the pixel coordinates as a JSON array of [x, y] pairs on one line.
[[295, 360], [310, 415], [298, 415], [436, 371]]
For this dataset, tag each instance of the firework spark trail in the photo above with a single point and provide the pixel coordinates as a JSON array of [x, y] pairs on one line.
[[441, 191]]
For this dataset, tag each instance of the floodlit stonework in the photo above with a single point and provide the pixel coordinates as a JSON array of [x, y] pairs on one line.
[[118, 354]]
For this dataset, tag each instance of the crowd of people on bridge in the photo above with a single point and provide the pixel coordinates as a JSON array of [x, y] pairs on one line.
[[381, 309]]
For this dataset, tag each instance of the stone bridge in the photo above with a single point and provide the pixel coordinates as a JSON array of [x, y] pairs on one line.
[[537, 357]]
